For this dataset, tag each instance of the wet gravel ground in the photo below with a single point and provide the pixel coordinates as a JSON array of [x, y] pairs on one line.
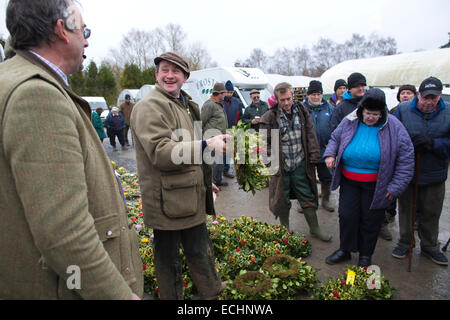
[[426, 280]]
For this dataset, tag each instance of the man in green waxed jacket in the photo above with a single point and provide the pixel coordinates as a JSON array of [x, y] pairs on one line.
[[64, 232], [214, 122], [175, 183]]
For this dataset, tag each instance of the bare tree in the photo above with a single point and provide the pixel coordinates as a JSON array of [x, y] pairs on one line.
[[324, 53], [198, 56], [257, 59], [174, 37]]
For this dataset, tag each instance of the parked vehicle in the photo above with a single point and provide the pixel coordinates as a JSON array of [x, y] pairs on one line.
[[124, 92], [98, 102], [142, 92], [200, 83]]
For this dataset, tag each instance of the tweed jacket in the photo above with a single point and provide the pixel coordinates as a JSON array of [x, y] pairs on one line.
[[176, 186], [278, 203], [61, 209]]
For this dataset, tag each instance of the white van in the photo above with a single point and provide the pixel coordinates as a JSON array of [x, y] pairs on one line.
[[200, 83], [143, 92], [98, 102]]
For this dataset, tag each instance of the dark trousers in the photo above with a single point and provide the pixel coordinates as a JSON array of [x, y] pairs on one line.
[[198, 250], [429, 203], [358, 225], [324, 173], [125, 134], [112, 134]]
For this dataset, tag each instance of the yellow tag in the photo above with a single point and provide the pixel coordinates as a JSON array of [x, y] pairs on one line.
[[350, 277]]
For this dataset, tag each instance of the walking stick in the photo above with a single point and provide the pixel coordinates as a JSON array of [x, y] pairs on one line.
[[414, 209], [446, 245]]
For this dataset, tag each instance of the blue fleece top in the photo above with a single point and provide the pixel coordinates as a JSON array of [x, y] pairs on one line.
[[362, 155]]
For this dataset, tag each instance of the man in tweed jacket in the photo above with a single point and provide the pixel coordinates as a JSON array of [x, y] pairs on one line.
[[63, 230]]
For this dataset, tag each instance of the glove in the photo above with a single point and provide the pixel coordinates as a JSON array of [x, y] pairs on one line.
[[422, 143]]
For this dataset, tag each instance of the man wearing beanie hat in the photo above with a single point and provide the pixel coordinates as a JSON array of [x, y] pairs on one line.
[[321, 112], [234, 110], [214, 117], [125, 109], [356, 89], [426, 118], [340, 86], [176, 185]]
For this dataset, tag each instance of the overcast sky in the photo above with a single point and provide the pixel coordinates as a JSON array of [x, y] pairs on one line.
[[230, 29]]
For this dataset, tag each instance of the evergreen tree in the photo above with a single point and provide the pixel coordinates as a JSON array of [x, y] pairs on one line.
[[148, 75], [91, 76], [77, 83], [131, 77], [107, 83]]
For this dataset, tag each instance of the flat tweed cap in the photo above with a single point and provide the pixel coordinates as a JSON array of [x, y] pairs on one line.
[[174, 58]]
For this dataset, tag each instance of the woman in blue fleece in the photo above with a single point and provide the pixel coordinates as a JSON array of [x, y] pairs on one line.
[[373, 159]]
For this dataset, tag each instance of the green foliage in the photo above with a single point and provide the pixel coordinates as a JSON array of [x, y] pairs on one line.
[[131, 77], [148, 76], [362, 289], [250, 170], [259, 260], [95, 82]]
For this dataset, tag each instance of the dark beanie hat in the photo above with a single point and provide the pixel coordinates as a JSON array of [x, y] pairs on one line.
[[374, 100], [356, 79], [314, 87], [339, 83], [229, 86], [409, 87]]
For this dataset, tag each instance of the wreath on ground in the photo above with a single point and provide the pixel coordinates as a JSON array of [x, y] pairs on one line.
[[282, 266], [252, 283]]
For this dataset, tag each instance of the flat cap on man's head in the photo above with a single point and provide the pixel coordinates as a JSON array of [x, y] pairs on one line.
[[430, 86], [254, 91], [219, 87], [174, 58]]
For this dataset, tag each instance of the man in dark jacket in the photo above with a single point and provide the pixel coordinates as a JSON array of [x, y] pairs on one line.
[[427, 120], [356, 89], [115, 124], [340, 86], [321, 112], [234, 110]]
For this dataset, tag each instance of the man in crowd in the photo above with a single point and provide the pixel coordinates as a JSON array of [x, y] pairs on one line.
[[340, 86], [255, 110], [427, 120], [176, 186], [115, 125], [62, 211], [214, 117], [234, 110], [356, 90], [125, 110], [299, 150], [321, 112]]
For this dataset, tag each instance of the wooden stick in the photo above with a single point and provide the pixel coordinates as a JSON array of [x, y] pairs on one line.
[[414, 209]]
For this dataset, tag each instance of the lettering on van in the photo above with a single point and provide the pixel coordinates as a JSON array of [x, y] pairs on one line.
[[205, 85]]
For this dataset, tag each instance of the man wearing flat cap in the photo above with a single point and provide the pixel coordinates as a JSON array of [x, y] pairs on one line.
[[214, 118], [255, 110], [175, 185]]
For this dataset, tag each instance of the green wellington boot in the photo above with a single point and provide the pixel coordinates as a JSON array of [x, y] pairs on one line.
[[314, 229]]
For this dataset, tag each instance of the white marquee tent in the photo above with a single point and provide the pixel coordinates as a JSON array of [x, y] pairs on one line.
[[396, 70]]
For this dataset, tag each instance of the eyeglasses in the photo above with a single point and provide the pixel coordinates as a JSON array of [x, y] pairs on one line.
[[86, 32], [375, 115]]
